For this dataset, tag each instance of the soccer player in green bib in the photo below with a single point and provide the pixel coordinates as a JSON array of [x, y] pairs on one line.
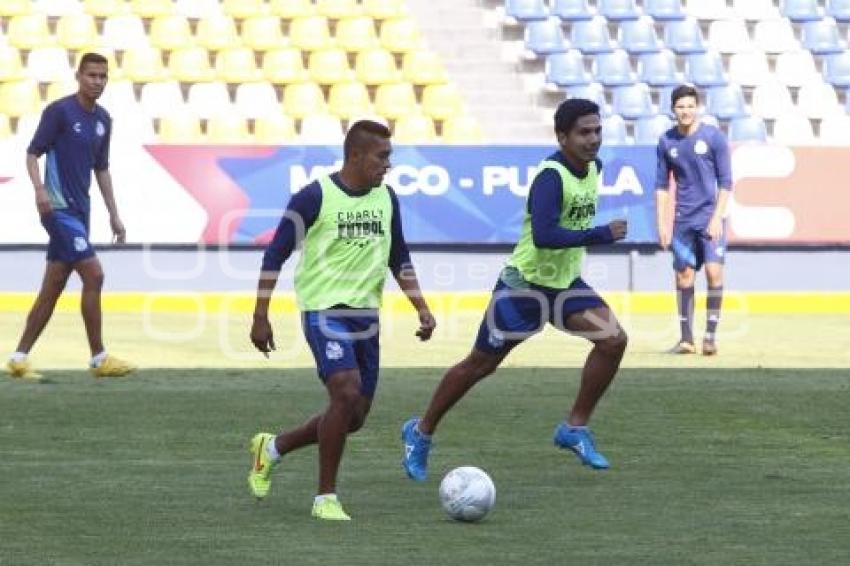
[[349, 226], [542, 283]]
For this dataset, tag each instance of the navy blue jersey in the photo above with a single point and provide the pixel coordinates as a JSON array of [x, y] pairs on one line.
[[700, 164], [76, 141], [306, 204]]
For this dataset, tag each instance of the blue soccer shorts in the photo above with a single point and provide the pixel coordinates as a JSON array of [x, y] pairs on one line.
[[692, 247], [69, 237], [515, 315], [345, 339]]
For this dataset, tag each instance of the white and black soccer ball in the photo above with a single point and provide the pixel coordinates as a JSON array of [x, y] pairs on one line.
[[467, 493]]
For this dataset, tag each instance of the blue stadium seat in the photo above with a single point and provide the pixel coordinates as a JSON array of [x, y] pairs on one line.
[[705, 69], [638, 36], [592, 91], [836, 69], [658, 69], [821, 37], [526, 10], [664, 10], [801, 10], [648, 130], [614, 130], [633, 101], [726, 102], [838, 9], [613, 68], [592, 36], [545, 36], [747, 129], [567, 69], [664, 106], [618, 10], [684, 36], [572, 10]]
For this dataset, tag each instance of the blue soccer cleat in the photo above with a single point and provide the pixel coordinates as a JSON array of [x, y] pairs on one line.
[[580, 441], [416, 448]]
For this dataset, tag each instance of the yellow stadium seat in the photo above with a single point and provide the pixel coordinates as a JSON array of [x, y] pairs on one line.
[[105, 8], [262, 33], [356, 34], [191, 65], [274, 129], [237, 65], [400, 35], [28, 31], [291, 9], [10, 64], [329, 66], [303, 99], [151, 8], [5, 127], [180, 128], [423, 67], [196, 9], [284, 66], [18, 98], [310, 33], [228, 129], [48, 64], [383, 9], [321, 129], [144, 65], [395, 100], [376, 66], [124, 32], [217, 32], [60, 89], [241, 9], [338, 9], [462, 129], [115, 72], [74, 31], [414, 128], [171, 32], [348, 100], [15, 7], [441, 101]]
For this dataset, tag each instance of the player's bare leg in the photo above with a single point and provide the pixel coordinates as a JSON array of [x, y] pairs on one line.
[[91, 274], [55, 278], [713, 304], [685, 304], [333, 428]]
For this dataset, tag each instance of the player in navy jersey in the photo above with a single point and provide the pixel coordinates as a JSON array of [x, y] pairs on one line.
[[697, 155], [74, 132]]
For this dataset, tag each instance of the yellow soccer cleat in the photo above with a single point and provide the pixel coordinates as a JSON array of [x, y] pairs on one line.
[[112, 367], [22, 370], [329, 509], [259, 478]]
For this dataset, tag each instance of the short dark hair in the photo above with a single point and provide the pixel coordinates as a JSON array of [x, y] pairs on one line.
[[94, 58], [683, 91], [358, 133], [571, 110]]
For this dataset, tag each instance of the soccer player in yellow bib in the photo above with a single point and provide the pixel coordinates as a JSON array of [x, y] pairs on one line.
[[349, 225], [542, 283]]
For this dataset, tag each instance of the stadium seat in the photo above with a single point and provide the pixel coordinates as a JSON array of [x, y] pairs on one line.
[[329, 66], [638, 36], [793, 129], [228, 128], [423, 67], [614, 130], [526, 10], [633, 101], [684, 36], [835, 130], [707, 9], [237, 65], [376, 66], [795, 68], [347, 100], [321, 129], [115, 72], [338, 9], [241, 9], [256, 99], [15, 8], [664, 10], [274, 128], [217, 32], [171, 32], [161, 98], [729, 36], [18, 98], [206, 100], [566, 69], [749, 68], [59, 89], [572, 10], [544, 37], [11, 68], [124, 32], [197, 9], [462, 129], [291, 9], [747, 129], [801, 10], [303, 99], [383, 9], [105, 8], [262, 33], [151, 8], [5, 127], [284, 66], [592, 91], [49, 64], [356, 34], [75, 31], [57, 8], [28, 31], [649, 129], [143, 65], [310, 33], [726, 102], [771, 100], [591, 36], [821, 37], [441, 101], [755, 10], [613, 68], [775, 36], [180, 128], [839, 10], [658, 69], [414, 128], [705, 69], [818, 100], [618, 10], [395, 100], [400, 35], [836, 69], [665, 100], [119, 97], [191, 65]]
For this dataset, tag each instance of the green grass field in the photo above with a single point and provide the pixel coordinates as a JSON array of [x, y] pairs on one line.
[[737, 460]]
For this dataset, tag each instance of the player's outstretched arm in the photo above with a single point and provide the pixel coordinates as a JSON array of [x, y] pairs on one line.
[[261, 329], [409, 284], [104, 181]]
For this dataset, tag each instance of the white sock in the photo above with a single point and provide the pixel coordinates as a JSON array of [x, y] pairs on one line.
[[422, 434], [271, 450], [323, 496], [18, 357], [576, 427], [97, 359]]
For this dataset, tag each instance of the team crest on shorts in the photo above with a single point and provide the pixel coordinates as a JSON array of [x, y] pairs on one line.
[[333, 351], [80, 244], [496, 339]]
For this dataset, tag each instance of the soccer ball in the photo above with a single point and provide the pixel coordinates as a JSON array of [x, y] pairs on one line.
[[467, 493]]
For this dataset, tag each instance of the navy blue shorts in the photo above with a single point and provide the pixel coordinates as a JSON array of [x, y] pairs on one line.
[[69, 237], [345, 339], [692, 247], [514, 315]]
